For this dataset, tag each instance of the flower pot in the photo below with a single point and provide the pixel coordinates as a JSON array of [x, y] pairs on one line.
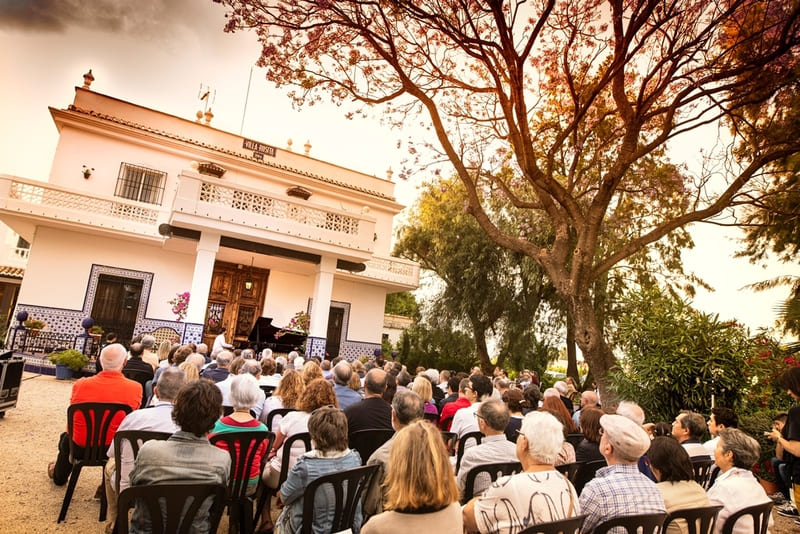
[[770, 487], [63, 372]]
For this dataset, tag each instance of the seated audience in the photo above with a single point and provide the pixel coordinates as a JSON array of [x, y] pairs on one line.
[[480, 389], [244, 393], [556, 408], [286, 395], [309, 370], [736, 487], [513, 399], [492, 416], [721, 417], [187, 456], [109, 385], [407, 407], [372, 411], [672, 468], [421, 492], [156, 419], [328, 429], [688, 428], [463, 401], [532, 396], [422, 387], [589, 448], [539, 494], [619, 488], [588, 399], [318, 393], [342, 373]]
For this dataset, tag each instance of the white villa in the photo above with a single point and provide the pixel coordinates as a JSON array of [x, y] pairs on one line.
[[141, 205]]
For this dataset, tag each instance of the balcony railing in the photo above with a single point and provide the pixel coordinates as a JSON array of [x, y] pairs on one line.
[[395, 270]]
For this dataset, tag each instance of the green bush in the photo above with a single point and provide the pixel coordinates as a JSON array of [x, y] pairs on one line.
[[755, 424], [74, 359]]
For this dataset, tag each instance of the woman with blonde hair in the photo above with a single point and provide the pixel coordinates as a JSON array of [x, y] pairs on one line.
[[421, 491], [191, 371], [422, 387], [311, 371], [286, 395]]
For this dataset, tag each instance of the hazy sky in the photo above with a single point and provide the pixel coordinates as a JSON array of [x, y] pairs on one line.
[[157, 53]]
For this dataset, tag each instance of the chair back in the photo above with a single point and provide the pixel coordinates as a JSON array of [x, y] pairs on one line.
[[268, 390], [494, 471], [701, 468], [445, 423], [273, 414], [462, 445], [172, 508], [571, 525], [432, 417], [648, 523], [98, 418], [134, 440], [569, 470], [759, 514], [585, 473], [697, 520], [450, 441], [343, 490], [243, 448], [367, 441], [575, 438], [286, 458]]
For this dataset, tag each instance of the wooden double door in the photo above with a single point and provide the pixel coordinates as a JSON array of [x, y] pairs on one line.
[[235, 301]]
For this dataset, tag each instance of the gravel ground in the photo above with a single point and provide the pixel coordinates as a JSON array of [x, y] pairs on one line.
[[30, 502]]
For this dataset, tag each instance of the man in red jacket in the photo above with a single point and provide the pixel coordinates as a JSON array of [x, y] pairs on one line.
[[106, 386], [450, 409]]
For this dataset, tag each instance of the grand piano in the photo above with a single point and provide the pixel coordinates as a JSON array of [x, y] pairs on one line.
[[262, 336]]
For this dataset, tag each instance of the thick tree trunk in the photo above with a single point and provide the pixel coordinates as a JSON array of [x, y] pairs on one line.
[[572, 356], [596, 352]]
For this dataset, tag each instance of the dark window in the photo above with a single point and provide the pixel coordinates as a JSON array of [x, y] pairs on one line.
[[140, 184]]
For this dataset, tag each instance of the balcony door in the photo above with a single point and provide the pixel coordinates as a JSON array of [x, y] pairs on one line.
[[116, 304], [235, 301]]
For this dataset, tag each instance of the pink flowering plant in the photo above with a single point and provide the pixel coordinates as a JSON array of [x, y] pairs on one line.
[[180, 304], [301, 322]]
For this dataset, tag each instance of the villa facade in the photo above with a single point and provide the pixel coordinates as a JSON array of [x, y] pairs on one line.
[[141, 206]]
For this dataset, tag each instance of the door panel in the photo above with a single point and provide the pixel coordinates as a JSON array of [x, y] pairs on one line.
[[235, 301], [334, 334], [116, 304]]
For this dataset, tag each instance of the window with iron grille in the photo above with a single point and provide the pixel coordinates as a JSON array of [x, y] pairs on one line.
[[140, 183]]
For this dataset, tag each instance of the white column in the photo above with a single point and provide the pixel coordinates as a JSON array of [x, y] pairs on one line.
[[207, 250], [321, 303]]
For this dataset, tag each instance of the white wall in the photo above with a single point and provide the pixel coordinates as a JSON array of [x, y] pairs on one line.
[[366, 310]]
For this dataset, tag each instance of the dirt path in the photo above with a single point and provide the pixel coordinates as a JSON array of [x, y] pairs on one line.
[[30, 502]]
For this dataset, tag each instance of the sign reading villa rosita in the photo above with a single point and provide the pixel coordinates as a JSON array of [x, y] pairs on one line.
[[259, 149]]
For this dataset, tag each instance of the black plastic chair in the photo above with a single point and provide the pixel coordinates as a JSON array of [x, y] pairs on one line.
[[759, 513], [648, 523], [701, 468], [273, 414], [98, 417], [450, 441], [493, 471], [585, 473], [571, 525], [569, 470], [697, 520], [134, 439], [268, 390], [367, 441], [346, 487], [462, 445], [242, 447], [172, 507], [445, 423], [304, 437]]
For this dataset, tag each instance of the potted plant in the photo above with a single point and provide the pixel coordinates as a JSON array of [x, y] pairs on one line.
[[68, 362]]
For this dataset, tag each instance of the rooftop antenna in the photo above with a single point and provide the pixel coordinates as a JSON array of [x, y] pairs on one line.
[[246, 99], [207, 96]]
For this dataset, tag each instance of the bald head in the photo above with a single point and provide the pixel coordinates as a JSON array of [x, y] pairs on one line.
[[375, 382], [113, 357]]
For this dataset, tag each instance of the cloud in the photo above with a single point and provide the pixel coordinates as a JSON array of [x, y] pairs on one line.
[[57, 16]]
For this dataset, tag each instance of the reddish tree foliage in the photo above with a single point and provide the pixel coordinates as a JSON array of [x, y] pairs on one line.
[[564, 109]]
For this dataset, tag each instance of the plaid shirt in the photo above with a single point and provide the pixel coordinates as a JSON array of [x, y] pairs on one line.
[[618, 490]]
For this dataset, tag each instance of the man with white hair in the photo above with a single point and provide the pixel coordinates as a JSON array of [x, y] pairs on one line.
[[509, 505], [619, 488], [109, 385], [588, 398], [563, 390]]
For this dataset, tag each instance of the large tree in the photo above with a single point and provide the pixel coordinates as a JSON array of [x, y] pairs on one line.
[[494, 292], [564, 108]]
